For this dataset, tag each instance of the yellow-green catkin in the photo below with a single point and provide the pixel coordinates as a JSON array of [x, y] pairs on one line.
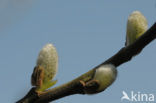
[[48, 59], [136, 26], [46, 68], [105, 75]]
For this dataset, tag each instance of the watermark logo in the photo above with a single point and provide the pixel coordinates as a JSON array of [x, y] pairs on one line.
[[137, 97]]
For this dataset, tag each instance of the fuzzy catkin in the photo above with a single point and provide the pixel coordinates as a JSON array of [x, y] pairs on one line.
[[48, 59], [136, 26]]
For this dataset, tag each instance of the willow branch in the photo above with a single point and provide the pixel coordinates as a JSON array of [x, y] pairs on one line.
[[77, 86]]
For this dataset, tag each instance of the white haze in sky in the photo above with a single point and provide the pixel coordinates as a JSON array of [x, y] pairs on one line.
[[13, 10]]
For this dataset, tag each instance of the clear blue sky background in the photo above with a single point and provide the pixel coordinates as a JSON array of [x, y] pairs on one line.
[[85, 33]]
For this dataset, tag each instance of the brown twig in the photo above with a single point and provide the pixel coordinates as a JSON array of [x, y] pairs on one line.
[[77, 86]]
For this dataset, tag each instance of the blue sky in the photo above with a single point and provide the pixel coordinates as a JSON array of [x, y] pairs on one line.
[[85, 33]]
